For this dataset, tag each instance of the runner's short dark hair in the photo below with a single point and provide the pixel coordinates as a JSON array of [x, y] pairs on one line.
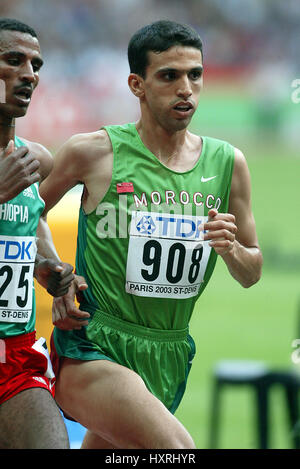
[[159, 37], [10, 24]]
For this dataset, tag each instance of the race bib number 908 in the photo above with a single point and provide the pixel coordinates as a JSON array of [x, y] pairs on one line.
[[167, 257], [17, 257]]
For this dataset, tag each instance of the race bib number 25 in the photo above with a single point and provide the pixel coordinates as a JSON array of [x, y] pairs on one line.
[[17, 257], [167, 257]]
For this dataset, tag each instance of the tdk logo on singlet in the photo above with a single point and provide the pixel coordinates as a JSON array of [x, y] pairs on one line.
[[16, 250], [169, 225]]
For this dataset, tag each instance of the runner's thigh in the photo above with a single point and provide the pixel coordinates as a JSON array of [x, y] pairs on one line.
[[32, 420], [113, 402]]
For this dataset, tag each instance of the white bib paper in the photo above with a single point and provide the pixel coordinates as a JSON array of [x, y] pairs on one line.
[[167, 257], [17, 257]]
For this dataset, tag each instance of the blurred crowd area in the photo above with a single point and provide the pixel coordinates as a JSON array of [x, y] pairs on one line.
[[249, 45]]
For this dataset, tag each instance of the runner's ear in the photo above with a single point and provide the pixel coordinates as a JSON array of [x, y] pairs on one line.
[[136, 85]]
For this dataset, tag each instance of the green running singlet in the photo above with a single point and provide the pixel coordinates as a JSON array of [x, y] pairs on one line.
[[143, 257], [19, 219]]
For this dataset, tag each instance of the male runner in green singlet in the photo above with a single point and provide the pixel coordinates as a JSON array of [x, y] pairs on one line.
[[150, 191], [29, 416]]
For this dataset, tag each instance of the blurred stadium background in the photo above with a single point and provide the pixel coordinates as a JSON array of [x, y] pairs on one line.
[[251, 57]]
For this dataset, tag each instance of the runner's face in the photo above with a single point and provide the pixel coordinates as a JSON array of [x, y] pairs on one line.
[[172, 86], [20, 62]]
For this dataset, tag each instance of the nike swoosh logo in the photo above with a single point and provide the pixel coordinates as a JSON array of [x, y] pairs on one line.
[[203, 179]]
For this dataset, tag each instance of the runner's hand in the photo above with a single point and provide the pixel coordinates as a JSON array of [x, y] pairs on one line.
[[65, 314], [55, 276], [18, 170], [221, 229]]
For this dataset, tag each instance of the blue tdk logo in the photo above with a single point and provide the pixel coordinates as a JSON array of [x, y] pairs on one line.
[[172, 226], [146, 225], [180, 227], [13, 250]]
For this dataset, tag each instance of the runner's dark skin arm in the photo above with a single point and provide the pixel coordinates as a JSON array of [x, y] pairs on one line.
[[51, 273]]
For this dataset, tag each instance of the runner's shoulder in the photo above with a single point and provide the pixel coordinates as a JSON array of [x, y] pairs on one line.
[[89, 146], [42, 154]]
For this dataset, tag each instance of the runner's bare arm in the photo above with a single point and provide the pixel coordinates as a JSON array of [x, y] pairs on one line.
[[80, 160], [50, 272], [233, 235], [60, 282]]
